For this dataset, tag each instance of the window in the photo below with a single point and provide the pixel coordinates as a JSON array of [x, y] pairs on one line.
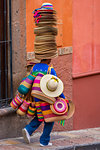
[[6, 88]]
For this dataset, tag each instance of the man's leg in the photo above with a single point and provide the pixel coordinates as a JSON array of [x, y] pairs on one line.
[[45, 137], [30, 128], [33, 125]]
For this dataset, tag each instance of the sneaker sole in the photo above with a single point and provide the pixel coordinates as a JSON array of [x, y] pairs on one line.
[[25, 136], [50, 144]]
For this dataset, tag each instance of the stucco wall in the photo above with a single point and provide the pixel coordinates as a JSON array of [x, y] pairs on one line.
[[86, 96], [18, 41], [63, 67], [86, 63], [11, 125]]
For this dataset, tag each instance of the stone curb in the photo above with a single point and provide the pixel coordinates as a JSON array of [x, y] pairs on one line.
[[86, 139], [93, 146]]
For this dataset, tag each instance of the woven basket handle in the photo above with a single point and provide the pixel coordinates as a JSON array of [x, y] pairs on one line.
[[49, 69]]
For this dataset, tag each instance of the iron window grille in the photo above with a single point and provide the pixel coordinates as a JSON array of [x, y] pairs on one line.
[[6, 81]]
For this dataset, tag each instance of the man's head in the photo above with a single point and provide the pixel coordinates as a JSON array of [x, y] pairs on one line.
[[46, 61]]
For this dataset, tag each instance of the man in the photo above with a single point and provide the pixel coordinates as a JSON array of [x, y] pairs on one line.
[[45, 49], [35, 123]]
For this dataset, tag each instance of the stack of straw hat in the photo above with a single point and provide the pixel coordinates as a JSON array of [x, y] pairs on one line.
[[45, 39]]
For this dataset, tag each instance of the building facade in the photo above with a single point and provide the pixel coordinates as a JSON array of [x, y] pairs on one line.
[[86, 63], [78, 61]]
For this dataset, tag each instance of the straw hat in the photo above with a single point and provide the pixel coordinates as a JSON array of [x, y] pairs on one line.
[[45, 10], [45, 46], [51, 85], [47, 19], [36, 91], [45, 38], [66, 107], [47, 7], [50, 16], [45, 29], [46, 23], [40, 57], [71, 109]]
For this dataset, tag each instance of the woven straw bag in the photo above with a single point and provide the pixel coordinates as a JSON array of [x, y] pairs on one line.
[[26, 84], [49, 116], [31, 110], [16, 101], [23, 108]]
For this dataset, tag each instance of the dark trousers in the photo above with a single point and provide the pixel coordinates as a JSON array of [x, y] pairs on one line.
[[34, 124]]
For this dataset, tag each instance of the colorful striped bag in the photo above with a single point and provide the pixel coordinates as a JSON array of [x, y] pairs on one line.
[[16, 101], [23, 108], [49, 116], [26, 84], [31, 110], [39, 111]]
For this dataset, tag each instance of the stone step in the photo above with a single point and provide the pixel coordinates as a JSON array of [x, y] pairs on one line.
[[88, 139]]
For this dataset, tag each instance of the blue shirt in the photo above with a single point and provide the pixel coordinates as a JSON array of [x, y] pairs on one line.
[[42, 67]]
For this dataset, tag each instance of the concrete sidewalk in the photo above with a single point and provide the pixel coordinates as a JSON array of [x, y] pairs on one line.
[[88, 139]]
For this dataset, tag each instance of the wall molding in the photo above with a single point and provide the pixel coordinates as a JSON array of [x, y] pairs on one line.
[[85, 74], [65, 50]]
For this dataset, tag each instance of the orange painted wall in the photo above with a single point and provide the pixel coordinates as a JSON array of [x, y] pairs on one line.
[[64, 15]]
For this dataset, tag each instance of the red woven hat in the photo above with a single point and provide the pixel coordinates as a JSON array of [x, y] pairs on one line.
[[60, 107]]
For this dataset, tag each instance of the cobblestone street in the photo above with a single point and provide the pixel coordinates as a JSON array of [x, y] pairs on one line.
[[88, 139]]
